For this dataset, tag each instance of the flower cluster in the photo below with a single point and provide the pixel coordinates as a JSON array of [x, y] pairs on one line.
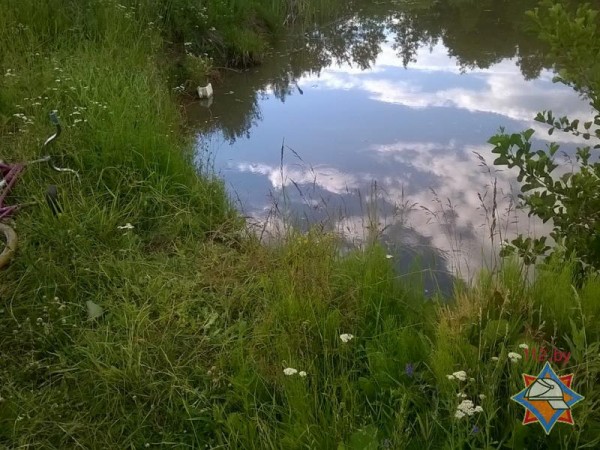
[[77, 114], [291, 371], [461, 375], [514, 357], [467, 408], [99, 104], [346, 337], [128, 12], [24, 118]]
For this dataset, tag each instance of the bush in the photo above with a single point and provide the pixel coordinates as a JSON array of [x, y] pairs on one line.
[[571, 201]]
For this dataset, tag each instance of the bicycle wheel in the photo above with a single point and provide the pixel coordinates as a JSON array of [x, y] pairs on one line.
[[10, 246]]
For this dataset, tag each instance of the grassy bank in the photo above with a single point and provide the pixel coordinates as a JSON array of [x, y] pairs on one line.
[[199, 319]]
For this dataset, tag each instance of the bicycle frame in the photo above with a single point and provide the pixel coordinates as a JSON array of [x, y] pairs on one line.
[[10, 175]]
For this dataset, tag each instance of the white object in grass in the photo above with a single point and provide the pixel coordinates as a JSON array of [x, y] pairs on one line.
[[94, 311], [205, 91], [461, 375], [346, 337], [514, 357]]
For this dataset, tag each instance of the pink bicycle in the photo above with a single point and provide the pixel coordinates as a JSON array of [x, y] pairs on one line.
[[9, 175]]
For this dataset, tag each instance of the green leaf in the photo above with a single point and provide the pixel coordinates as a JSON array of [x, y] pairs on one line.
[[516, 139], [528, 133]]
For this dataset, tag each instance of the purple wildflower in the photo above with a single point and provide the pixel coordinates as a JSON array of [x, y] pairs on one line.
[[409, 370]]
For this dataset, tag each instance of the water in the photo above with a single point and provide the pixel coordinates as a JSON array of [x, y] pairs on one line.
[[379, 121]]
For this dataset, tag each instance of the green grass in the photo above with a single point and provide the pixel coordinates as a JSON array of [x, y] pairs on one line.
[[200, 318], [193, 345]]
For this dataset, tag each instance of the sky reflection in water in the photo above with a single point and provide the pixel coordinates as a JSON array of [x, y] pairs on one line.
[[415, 131]]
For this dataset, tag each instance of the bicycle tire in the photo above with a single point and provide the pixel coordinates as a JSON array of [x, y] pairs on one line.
[[10, 246]]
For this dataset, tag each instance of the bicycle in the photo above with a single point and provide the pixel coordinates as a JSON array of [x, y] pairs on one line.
[[9, 175]]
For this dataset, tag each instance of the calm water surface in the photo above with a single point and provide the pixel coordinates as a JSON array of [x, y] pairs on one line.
[[390, 106]]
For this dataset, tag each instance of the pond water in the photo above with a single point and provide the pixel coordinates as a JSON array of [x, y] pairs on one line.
[[379, 121]]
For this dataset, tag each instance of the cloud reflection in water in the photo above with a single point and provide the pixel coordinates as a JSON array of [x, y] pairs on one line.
[[412, 130]]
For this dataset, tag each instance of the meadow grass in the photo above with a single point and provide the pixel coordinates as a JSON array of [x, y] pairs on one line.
[[201, 318]]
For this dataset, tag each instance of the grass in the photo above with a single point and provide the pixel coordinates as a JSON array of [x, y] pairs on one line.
[[200, 318]]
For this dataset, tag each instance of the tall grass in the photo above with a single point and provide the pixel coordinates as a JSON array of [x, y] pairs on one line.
[[193, 347]]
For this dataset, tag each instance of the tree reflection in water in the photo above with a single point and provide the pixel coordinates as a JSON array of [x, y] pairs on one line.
[[477, 33]]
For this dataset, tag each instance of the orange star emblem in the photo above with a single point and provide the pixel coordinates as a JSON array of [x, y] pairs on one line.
[[548, 398]]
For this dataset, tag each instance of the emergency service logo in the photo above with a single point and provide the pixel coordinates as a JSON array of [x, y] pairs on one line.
[[548, 398]]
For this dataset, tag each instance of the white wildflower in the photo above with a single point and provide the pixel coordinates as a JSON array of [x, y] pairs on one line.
[[302, 373], [482, 396], [346, 337], [461, 375], [524, 346], [290, 371], [127, 226], [389, 256], [450, 377], [459, 414], [466, 407], [514, 357], [495, 358]]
